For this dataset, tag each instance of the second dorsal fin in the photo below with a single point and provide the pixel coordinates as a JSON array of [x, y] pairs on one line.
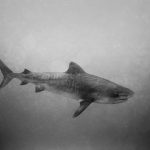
[[26, 71], [24, 82], [74, 69]]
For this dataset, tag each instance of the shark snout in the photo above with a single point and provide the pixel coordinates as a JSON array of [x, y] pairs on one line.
[[130, 93], [127, 93]]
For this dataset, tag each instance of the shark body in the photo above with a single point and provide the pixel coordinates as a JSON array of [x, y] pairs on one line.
[[75, 81]]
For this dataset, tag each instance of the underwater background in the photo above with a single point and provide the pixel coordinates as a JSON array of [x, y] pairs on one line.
[[110, 39]]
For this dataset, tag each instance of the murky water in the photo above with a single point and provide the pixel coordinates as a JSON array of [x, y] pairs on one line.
[[107, 38]]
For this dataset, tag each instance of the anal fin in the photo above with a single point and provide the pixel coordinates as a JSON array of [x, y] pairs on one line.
[[39, 89]]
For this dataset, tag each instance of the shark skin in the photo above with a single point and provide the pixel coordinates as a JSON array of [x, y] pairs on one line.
[[75, 82]]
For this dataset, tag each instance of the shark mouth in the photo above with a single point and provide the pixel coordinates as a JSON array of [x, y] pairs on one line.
[[119, 101], [123, 98], [112, 101]]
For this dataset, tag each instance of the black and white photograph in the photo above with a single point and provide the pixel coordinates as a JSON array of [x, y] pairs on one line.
[[74, 75]]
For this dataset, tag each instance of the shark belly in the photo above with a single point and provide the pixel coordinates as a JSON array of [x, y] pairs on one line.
[[62, 84], [63, 91]]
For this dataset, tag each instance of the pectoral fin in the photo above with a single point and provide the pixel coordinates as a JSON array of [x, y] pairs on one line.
[[83, 105], [39, 89]]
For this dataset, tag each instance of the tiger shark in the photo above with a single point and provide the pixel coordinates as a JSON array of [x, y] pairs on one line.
[[75, 81]]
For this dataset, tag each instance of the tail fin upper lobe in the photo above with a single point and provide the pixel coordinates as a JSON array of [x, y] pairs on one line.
[[6, 74]]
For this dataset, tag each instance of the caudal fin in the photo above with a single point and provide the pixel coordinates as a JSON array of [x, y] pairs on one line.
[[6, 74]]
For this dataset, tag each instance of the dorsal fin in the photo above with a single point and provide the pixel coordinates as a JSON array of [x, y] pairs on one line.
[[74, 69], [26, 71]]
